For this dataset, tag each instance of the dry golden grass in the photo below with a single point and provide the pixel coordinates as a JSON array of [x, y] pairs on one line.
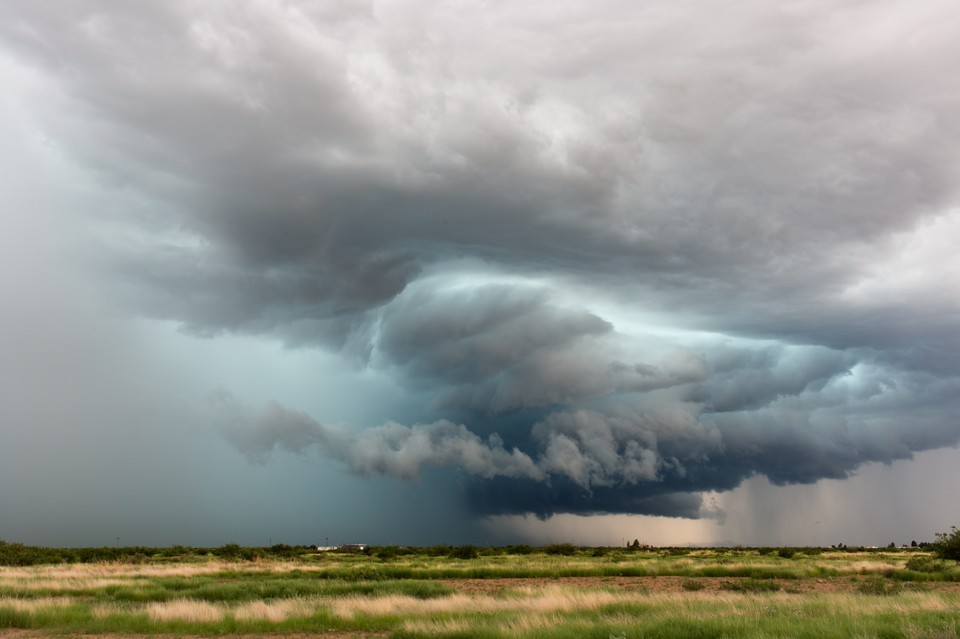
[[75, 577], [34, 605], [102, 611], [69, 585], [532, 622], [528, 600], [277, 610], [184, 610], [350, 607], [109, 570], [865, 566], [850, 603], [556, 598]]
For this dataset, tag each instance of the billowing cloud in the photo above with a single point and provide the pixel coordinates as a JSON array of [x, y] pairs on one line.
[[392, 449], [625, 253], [497, 348]]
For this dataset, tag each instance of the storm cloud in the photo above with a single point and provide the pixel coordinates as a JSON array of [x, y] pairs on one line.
[[626, 254]]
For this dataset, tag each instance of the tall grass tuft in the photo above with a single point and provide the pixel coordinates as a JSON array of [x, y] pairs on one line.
[[189, 610]]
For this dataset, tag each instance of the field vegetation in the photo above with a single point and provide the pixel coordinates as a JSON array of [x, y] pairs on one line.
[[556, 591]]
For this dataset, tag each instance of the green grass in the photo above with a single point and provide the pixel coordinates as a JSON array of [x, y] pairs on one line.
[[735, 615], [718, 593]]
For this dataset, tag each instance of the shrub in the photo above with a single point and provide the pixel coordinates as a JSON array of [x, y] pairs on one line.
[[464, 552], [560, 549], [878, 586], [228, 551], [387, 553], [282, 550], [786, 553], [752, 585], [519, 549], [947, 545], [925, 564]]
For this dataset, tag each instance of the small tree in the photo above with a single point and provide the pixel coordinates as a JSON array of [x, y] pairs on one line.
[[947, 545], [560, 549], [464, 552]]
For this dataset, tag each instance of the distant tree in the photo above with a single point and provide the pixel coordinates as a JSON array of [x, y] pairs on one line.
[[947, 545], [386, 553], [913, 544], [560, 549], [228, 551], [520, 549], [464, 552]]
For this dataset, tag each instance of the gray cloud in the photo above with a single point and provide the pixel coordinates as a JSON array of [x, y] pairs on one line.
[[498, 348], [742, 378], [658, 248], [322, 148], [652, 457], [578, 455], [392, 449]]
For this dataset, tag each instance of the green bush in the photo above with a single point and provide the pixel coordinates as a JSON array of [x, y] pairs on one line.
[[878, 586], [947, 545], [693, 585], [228, 551], [386, 553], [752, 585], [925, 564], [560, 549], [464, 552], [518, 549]]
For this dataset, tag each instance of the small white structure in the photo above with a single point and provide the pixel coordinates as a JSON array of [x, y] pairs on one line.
[[342, 547]]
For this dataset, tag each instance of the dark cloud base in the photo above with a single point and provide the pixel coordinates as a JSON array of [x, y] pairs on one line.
[[522, 497]]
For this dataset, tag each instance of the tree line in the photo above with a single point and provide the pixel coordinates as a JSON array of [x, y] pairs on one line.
[[946, 547]]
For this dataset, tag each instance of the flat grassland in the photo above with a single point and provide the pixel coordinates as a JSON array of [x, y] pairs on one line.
[[598, 593]]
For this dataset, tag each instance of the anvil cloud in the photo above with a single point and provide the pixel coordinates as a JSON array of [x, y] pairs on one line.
[[626, 253]]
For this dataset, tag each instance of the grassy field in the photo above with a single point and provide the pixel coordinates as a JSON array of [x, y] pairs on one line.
[[599, 593]]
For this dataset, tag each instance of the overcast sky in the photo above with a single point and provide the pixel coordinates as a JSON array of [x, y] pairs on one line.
[[466, 271]]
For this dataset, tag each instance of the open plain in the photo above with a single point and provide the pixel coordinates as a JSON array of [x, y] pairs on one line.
[[406, 593]]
